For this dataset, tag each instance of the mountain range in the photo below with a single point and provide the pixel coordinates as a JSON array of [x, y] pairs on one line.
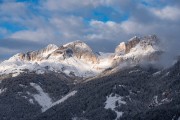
[[78, 59], [72, 82]]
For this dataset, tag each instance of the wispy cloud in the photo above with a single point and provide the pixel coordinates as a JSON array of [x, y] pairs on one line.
[[167, 13]]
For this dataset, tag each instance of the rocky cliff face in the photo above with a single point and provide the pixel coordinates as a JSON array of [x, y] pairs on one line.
[[132, 43], [78, 49], [38, 55], [81, 51], [138, 50], [143, 42], [124, 48], [121, 48]]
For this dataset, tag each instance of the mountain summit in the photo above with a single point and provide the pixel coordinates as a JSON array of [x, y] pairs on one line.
[[78, 59]]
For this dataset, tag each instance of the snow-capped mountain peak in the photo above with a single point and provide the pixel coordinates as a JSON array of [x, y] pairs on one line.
[[138, 50], [78, 59], [142, 42], [81, 50], [78, 45]]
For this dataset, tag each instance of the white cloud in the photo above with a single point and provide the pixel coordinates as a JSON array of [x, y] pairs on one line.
[[4, 50], [134, 27], [70, 5], [69, 27], [60, 21], [168, 13], [13, 10], [96, 23], [36, 36], [67, 23], [109, 30], [58, 26], [122, 31]]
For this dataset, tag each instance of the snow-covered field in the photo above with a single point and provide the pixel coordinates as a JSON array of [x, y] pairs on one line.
[[44, 100], [41, 97], [111, 102], [61, 100]]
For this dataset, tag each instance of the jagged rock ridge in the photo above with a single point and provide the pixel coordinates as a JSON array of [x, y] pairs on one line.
[[138, 50], [78, 59]]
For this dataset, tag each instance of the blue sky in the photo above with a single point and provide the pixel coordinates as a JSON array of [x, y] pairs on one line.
[[103, 24]]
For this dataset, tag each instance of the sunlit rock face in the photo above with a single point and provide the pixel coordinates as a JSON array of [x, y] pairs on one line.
[[121, 48], [132, 43], [138, 50], [78, 49], [125, 48], [82, 51], [38, 55]]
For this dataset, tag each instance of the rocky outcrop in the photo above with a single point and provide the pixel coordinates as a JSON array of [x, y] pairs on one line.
[[151, 40], [124, 48], [78, 49], [132, 43], [121, 48], [81, 51], [137, 50], [38, 55]]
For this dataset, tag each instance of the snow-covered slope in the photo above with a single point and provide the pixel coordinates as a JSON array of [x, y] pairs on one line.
[[77, 58]]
